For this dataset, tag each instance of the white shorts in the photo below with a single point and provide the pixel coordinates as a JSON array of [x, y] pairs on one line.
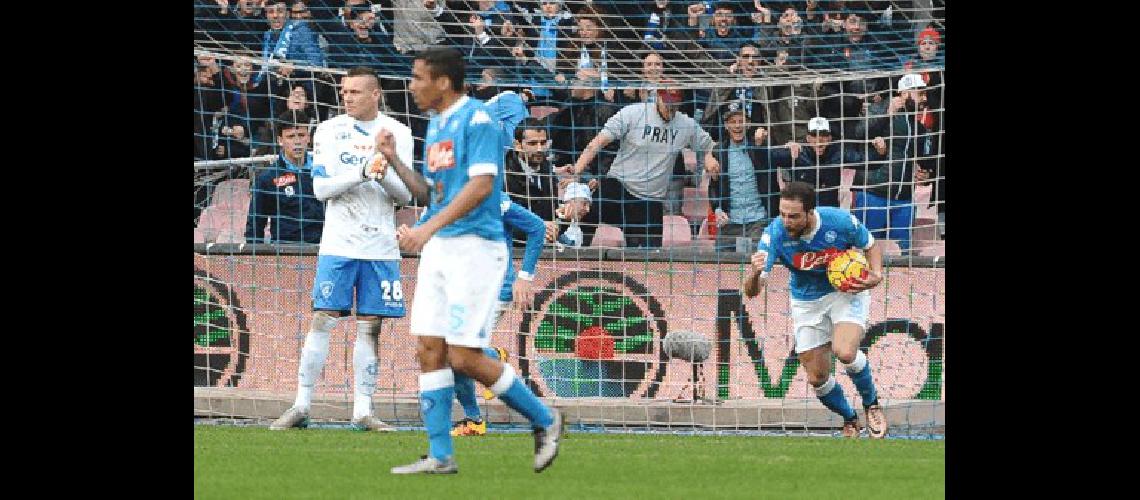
[[815, 319], [457, 288], [493, 319]]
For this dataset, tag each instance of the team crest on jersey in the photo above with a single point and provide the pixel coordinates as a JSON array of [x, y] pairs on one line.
[[326, 289], [829, 236], [806, 261], [289, 191], [480, 116], [441, 156], [454, 126]]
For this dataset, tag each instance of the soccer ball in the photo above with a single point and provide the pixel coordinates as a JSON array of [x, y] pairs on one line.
[[689, 346], [844, 266]]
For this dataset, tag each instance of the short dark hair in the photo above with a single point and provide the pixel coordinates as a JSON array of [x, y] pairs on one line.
[[801, 191], [364, 71], [444, 61], [291, 119], [531, 123]]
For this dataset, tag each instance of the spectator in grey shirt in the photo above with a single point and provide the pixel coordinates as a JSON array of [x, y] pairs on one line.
[[652, 135]]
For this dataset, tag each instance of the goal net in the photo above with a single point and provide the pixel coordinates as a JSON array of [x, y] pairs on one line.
[[848, 96]]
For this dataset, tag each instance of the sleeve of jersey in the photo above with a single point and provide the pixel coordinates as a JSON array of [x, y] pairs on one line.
[[328, 179], [860, 236], [484, 151], [524, 220], [765, 245], [618, 124]]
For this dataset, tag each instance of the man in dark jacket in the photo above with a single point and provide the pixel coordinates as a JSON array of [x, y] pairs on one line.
[[283, 193], [745, 195], [530, 179], [820, 163], [885, 202]]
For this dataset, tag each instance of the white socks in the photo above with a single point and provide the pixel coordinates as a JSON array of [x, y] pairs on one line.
[[364, 367], [313, 357]]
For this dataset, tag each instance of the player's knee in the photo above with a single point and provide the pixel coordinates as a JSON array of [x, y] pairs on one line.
[[845, 355], [430, 356], [323, 321], [461, 360], [817, 378]]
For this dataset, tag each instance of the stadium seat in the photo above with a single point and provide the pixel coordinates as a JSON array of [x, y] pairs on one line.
[[847, 177], [924, 232], [922, 208], [408, 216], [694, 204], [703, 232], [934, 249], [608, 236], [675, 231], [890, 247], [209, 225], [231, 193]]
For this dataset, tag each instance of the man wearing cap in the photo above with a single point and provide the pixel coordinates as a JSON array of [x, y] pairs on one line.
[[745, 197], [883, 196], [929, 66], [576, 204], [631, 194], [819, 164]]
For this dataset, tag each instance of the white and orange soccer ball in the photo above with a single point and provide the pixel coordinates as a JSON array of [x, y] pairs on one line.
[[844, 266]]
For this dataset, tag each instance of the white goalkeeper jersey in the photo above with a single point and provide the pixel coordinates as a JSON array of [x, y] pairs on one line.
[[359, 216]]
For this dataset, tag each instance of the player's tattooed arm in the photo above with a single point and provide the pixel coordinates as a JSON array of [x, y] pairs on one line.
[[415, 182]]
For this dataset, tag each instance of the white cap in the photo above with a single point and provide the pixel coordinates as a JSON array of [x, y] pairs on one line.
[[911, 81], [819, 124], [576, 190]]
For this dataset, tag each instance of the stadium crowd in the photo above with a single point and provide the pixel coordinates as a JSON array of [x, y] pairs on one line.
[[843, 95]]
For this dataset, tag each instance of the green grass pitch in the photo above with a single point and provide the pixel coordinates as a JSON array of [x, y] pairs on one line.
[[253, 462]]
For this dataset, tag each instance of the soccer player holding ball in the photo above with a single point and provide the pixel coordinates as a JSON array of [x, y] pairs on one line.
[[807, 239]]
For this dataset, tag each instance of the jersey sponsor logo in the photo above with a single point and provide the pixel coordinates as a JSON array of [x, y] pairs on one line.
[[441, 156], [343, 136], [351, 159], [806, 261], [285, 180]]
